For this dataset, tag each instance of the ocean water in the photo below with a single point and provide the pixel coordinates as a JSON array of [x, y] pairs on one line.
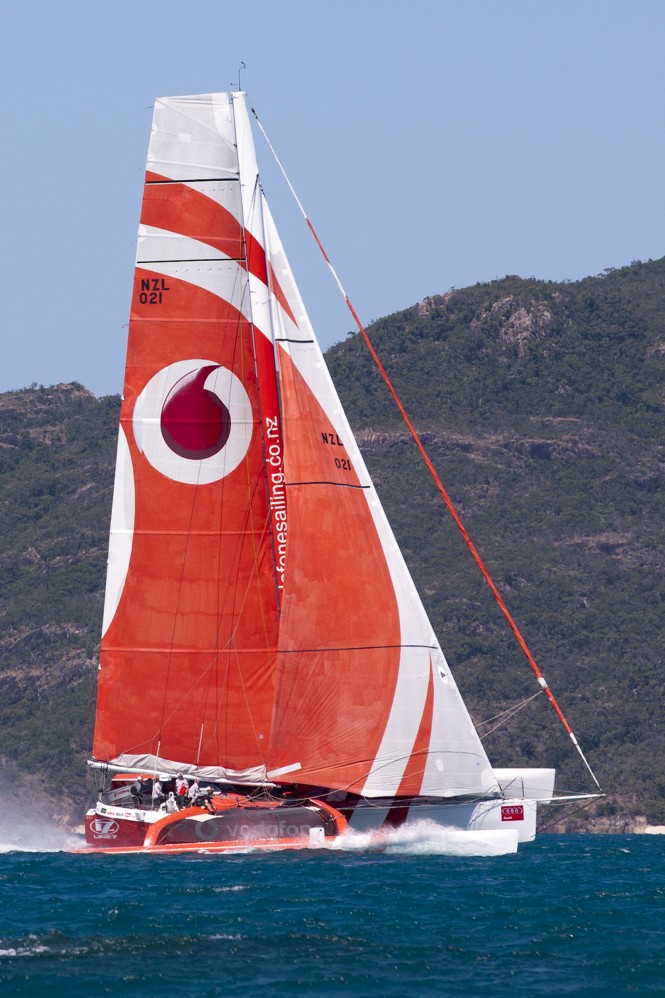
[[567, 915]]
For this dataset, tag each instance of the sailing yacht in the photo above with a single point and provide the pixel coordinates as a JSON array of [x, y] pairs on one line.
[[262, 632]]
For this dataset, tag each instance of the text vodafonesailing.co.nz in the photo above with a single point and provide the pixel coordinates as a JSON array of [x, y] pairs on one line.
[[277, 494]]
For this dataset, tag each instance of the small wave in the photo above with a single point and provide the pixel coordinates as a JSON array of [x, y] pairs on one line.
[[424, 838], [29, 946], [23, 951]]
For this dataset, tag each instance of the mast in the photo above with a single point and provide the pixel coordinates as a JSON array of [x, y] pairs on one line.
[[262, 311]]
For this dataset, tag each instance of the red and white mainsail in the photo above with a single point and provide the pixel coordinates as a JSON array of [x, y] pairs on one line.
[[191, 617], [259, 618]]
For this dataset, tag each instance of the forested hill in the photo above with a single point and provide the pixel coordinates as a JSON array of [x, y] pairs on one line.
[[542, 407]]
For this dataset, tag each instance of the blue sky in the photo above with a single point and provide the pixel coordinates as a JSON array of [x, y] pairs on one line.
[[434, 144]]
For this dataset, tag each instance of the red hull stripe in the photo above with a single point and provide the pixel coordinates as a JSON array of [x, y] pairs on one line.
[[267, 845]]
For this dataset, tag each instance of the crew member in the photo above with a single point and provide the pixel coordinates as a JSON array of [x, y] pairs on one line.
[[171, 803], [136, 790], [158, 795]]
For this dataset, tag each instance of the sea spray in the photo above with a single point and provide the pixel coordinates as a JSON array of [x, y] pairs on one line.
[[427, 838], [29, 827]]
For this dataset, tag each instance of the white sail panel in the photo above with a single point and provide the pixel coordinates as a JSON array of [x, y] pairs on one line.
[[193, 138], [122, 530]]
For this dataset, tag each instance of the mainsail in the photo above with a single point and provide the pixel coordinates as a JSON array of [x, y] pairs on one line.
[[260, 620], [191, 617]]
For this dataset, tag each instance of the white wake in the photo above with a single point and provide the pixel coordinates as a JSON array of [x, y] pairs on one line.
[[427, 838]]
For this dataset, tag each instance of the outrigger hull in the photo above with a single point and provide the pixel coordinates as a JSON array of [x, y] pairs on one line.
[[232, 823]]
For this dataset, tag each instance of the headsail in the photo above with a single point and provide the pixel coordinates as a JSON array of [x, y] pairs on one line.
[[365, 700]]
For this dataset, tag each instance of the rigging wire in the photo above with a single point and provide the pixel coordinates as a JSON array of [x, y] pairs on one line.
[[555, 819], [505, 716], [432, 470]]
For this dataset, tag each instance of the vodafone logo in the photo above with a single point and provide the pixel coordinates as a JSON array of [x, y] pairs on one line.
[[104, 828], [194, 421]]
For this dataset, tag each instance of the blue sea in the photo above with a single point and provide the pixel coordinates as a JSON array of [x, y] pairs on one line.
[[566, 915]]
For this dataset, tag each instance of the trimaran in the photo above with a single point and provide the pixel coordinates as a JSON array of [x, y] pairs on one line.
[[261, 629]]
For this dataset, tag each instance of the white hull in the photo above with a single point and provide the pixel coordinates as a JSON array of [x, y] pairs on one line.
[[517, 816], [516, 812]]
